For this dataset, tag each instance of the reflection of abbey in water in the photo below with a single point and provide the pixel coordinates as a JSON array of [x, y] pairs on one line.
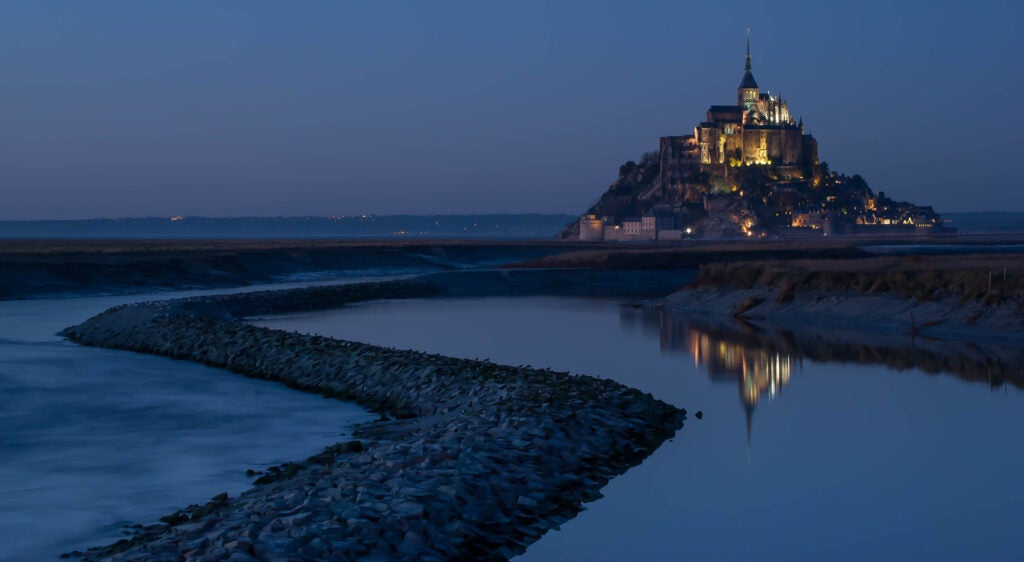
[[757, 371], [760, 361]]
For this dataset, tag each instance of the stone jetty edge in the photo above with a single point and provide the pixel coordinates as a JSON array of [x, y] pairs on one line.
[[478, 461]]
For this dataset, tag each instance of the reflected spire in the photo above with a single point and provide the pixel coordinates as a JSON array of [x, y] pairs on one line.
[[749, 410], [760, 363]]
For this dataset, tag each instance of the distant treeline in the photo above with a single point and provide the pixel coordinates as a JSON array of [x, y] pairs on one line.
[[507, 226]]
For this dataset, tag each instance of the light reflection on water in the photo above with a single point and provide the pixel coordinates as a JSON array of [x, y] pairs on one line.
[[807, 450], [753, 371]]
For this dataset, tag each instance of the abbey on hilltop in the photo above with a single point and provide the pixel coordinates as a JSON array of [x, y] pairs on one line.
[[758, 130], [748, 170]]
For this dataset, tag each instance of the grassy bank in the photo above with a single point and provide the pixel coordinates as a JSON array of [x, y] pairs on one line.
[[991, 279]]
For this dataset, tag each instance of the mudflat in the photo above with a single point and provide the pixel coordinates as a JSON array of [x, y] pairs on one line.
[[47, 268], [692, 253]]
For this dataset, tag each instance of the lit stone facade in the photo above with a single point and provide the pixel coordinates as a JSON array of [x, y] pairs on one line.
[[758, 131], [591, 228]]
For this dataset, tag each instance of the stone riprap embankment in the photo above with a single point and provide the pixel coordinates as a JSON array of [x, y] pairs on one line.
[[477, 461]]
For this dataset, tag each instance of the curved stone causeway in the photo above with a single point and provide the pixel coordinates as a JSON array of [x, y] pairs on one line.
[[471, 460]]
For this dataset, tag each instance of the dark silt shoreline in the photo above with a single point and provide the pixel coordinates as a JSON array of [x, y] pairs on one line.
[[967, 298], [476, 460], [58, 268]]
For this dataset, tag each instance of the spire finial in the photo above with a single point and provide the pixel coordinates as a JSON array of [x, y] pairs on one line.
[[748, 48]]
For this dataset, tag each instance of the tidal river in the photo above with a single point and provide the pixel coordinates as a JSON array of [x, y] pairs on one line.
[[94, 439], [793, 459]]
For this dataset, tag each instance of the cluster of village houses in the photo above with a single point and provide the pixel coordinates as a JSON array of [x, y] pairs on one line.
[[648, 227]]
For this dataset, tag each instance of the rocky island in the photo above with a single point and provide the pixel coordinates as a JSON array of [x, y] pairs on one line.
[[748, 170]]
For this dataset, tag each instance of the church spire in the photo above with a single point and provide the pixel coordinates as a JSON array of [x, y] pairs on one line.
[[748, 94], [747, 68]]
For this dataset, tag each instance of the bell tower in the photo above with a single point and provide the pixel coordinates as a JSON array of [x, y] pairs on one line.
[[747, 95]]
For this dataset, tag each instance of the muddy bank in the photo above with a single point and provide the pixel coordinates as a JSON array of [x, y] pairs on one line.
[[44, 268], [691, 254], [478, 461], [694, 253], [991, 279], [975, 297], [482, 283]]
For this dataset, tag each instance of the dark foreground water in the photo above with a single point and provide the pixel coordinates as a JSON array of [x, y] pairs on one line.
[[793, 460], [93, 439]]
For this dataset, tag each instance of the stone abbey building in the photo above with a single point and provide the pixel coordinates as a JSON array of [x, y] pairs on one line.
[[758, 130]]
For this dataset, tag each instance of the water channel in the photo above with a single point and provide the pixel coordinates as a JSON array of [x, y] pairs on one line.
[[794, 459], [92, 440]]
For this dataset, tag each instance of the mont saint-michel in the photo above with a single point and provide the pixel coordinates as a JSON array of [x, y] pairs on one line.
[[748, 170], [222, 339]]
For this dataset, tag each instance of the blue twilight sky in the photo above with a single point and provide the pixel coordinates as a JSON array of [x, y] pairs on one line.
[[120, 108]]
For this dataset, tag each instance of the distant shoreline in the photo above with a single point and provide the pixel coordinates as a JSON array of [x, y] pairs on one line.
[[352, 227], [368, 227]]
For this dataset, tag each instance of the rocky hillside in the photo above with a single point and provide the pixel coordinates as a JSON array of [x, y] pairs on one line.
[[638, 191], [754, 201], [636, 187]]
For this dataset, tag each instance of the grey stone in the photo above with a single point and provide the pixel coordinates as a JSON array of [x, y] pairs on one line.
[[498, 454]]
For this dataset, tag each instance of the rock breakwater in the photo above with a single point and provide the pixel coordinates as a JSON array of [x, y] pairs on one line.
[[477, 461]]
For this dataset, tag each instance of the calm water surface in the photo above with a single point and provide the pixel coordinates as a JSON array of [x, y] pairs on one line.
[[793, 460], [93, 439]]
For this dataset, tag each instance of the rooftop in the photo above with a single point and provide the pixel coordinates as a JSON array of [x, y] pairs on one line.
[[748, 81]]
